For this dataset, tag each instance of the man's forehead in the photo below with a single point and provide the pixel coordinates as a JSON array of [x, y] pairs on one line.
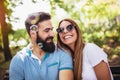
[[45, 24]]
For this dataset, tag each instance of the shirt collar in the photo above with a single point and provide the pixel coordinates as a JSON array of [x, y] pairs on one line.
[[30, 53]]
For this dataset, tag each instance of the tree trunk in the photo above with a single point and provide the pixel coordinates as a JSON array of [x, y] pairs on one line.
[[4, 30]]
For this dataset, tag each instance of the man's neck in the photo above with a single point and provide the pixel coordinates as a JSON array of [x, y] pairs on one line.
[[38, 52]]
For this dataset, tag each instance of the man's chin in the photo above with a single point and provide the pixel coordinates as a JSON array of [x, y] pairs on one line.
[[49, 47]]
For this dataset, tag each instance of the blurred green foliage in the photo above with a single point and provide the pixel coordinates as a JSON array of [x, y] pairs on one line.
[[99, 20]]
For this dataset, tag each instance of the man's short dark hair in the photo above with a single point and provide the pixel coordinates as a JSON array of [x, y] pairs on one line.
[[35, 18]]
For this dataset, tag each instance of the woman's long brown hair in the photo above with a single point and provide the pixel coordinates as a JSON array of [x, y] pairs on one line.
[[77, 53]]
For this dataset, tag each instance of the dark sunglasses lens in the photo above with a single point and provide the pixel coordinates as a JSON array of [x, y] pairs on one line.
[[59, 30], [69, 27]]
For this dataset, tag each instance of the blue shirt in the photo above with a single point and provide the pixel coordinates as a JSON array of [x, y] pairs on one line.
[[26, 66]]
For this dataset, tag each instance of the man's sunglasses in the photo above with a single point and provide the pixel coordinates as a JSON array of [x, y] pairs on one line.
[[69, 28]]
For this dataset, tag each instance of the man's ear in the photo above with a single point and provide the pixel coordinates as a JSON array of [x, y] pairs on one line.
[[34, 28], [33, 36], [32, 33]]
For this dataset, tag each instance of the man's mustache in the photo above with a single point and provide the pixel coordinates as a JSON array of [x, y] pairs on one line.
[[49, 38]]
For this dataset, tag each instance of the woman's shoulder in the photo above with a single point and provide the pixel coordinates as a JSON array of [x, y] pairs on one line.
[[94, 53], [91, 46]]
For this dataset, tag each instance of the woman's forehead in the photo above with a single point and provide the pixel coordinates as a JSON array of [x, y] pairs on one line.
[[64, 23]]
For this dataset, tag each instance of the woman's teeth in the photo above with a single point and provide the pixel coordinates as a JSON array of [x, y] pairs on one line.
[[67, 37]]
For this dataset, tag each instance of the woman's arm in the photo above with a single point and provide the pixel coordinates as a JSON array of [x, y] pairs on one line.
[[102, 71]]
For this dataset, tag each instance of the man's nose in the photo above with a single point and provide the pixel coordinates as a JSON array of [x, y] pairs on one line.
[[51, 33]]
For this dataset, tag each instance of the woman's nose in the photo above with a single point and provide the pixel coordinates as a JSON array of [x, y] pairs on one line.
[[65, 30]]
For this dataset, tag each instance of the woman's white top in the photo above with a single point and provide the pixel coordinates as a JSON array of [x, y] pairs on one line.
[[92, 55]]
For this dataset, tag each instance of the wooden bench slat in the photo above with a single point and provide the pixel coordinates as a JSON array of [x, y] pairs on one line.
[[115, 69]]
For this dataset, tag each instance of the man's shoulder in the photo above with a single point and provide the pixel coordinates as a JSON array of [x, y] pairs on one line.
[[60, 51], [21, 54]]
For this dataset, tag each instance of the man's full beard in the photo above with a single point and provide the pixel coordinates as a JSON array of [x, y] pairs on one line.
[[48, 47]]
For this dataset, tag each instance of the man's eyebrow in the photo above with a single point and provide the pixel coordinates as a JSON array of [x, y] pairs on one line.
[[49, 28]]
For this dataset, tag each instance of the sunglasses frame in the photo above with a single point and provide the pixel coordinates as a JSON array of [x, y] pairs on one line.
[[69, 28]]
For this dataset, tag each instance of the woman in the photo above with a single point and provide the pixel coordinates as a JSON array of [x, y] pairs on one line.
[[90, 61]]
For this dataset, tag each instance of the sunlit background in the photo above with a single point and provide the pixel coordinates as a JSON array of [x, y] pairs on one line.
[[22, 11], [99, 21], [26, 8], [96, 15]]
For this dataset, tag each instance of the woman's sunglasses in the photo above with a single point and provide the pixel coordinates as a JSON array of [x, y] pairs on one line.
[[69, 28]]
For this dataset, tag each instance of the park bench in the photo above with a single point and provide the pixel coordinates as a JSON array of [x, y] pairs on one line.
[[6, 76], [115, 71]]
